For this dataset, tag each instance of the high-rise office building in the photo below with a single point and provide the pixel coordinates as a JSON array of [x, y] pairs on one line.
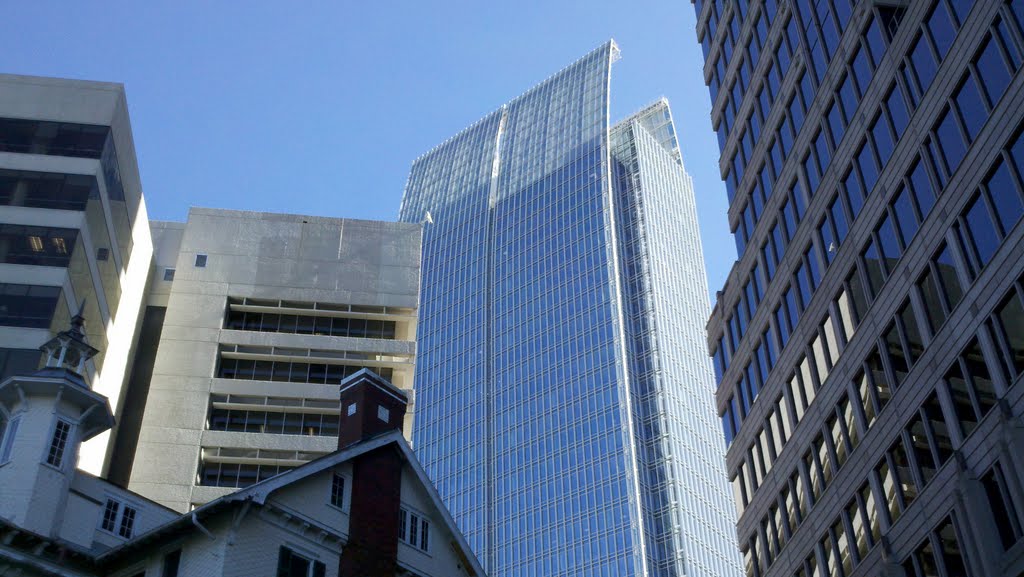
[[869, 343], [564, 402], [73, 229], [252, 321]]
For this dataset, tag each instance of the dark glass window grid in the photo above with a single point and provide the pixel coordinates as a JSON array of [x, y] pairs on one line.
[[237, 475], [777, 69], [46, 189], [745, 228], [903, 464], [28, 306], [870, 156], [898, 224], [1001, 503], [1007, 328], [859, 65], [291, 371], [278, 422], [310, 325], [18, 362], [81, 141], [52, 138], [904, 242], [36, 245], [923, 447], [990, 214], [970, 386], [940, 554]]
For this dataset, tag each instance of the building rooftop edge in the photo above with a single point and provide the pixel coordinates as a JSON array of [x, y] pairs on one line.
[[284, 217], [660, 101], [62, 82], [613, 50]]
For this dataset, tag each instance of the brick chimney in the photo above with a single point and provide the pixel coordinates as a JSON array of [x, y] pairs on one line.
[[372, 406]]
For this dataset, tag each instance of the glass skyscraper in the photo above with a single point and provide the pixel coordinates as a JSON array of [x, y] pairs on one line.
[[869, 343], [564, 398]]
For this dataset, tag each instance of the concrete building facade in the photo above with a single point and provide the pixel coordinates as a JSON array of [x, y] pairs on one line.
[[868, 343], [257, 320], [73, 228]]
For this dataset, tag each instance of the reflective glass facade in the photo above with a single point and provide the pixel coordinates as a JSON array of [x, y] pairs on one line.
[[873, 155], [559, 414]]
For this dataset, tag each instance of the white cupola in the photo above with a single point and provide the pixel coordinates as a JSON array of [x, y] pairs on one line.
[[44, 417]]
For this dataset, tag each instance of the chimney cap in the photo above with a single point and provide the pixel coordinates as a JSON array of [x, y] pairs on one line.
[[371, 406], [367, 375]]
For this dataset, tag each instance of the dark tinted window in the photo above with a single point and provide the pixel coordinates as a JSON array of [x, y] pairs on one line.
[[992, 67], [36, 245], [950, 142], [46, 190], [27, 305], [1010, 315], [1006, 197], [942, 29], [981, 235], [922, 64], [52, 138], [970, 106]]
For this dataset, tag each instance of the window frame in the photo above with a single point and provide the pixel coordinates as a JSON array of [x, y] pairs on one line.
[[346, 492], [118, 523], [56, 453], [414, 536], [7, 435]]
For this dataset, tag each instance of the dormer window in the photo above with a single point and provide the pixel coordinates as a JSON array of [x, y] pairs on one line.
[[58, 443], [119, 518]]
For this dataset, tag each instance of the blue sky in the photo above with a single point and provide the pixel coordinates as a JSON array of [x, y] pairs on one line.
[[321, 107]]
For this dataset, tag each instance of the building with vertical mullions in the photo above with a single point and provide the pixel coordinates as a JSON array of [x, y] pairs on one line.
[[869, 342], [73, 230], [564, 404]]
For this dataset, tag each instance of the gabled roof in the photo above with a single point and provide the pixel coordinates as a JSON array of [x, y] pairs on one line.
[[260, 492]]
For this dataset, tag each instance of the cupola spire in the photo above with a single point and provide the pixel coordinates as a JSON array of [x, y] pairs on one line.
[[68, 350]]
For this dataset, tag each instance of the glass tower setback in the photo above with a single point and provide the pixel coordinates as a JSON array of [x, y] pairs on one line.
[[564, 399]]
